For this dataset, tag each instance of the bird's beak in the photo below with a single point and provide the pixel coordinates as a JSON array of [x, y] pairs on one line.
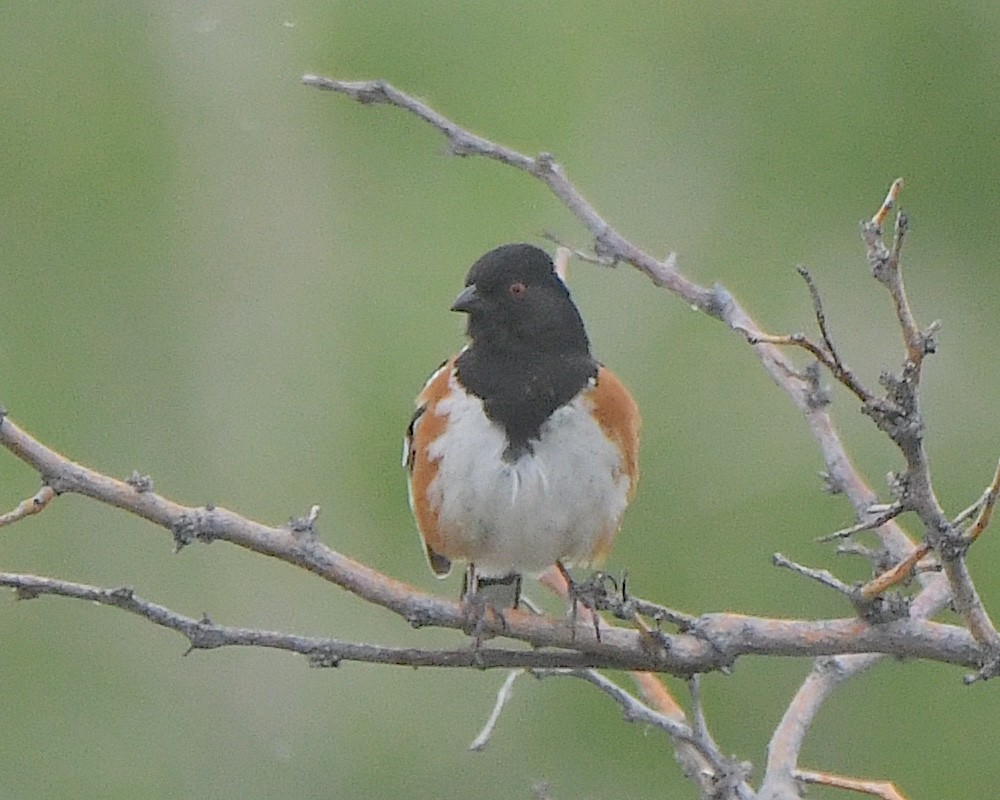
[[468, 301]]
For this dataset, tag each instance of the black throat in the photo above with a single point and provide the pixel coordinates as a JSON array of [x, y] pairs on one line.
[[521, 390]]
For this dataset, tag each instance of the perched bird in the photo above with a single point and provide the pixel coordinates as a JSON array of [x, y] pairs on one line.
[[522, 452]]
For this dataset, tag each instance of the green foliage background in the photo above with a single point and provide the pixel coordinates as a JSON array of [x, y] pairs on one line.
[[237, 284]]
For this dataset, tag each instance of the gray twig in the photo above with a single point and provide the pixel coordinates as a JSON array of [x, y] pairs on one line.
[[724, 778], [877, 521], [822, 576], [504, 694]]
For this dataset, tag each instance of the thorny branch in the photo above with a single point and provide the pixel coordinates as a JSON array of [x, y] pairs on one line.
[[708, 642]]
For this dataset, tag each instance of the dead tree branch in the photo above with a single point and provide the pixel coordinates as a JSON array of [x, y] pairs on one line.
[[715, 642]]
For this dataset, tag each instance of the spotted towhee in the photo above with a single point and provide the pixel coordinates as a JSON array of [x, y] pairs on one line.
[[522, 451]]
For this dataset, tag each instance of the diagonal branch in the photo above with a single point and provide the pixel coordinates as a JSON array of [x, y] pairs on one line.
[[719, 776], [826, 354], [543, 166], [878, 516], [883, 789], [985, 512], [203, 634], [717, 302]]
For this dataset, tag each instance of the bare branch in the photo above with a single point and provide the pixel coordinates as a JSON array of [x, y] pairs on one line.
[[655, 694], [635, 710], [901, 419], [888, 204], [827, 675], [882, 789], [836, 366], [203, 634], [886, 270], [820, 315], [986, 505], [716, 641], [905, 427], [822, 576], [544, 167], [782, 753], [33, 505], [504, 694], [892, 577], [886, 514], [794, 340], [723, 778], [703, 736]]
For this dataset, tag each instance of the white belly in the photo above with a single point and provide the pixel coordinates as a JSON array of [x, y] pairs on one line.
[[552, 504]]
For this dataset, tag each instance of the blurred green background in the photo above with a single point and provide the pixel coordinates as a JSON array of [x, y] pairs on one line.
[[237, 284]]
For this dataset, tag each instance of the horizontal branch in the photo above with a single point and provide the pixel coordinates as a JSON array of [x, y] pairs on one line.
[[203, 634], [715, 642]]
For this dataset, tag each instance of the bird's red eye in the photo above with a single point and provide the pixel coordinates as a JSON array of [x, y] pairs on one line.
[[517, 290]]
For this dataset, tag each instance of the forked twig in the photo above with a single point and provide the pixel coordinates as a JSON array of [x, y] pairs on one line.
[[826, 354], [819, 313]]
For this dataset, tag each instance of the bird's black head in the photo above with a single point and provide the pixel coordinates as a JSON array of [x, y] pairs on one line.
[[529, 353], [517, 304]]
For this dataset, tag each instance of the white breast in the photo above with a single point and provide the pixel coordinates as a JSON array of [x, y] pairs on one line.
[[552, 504]]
